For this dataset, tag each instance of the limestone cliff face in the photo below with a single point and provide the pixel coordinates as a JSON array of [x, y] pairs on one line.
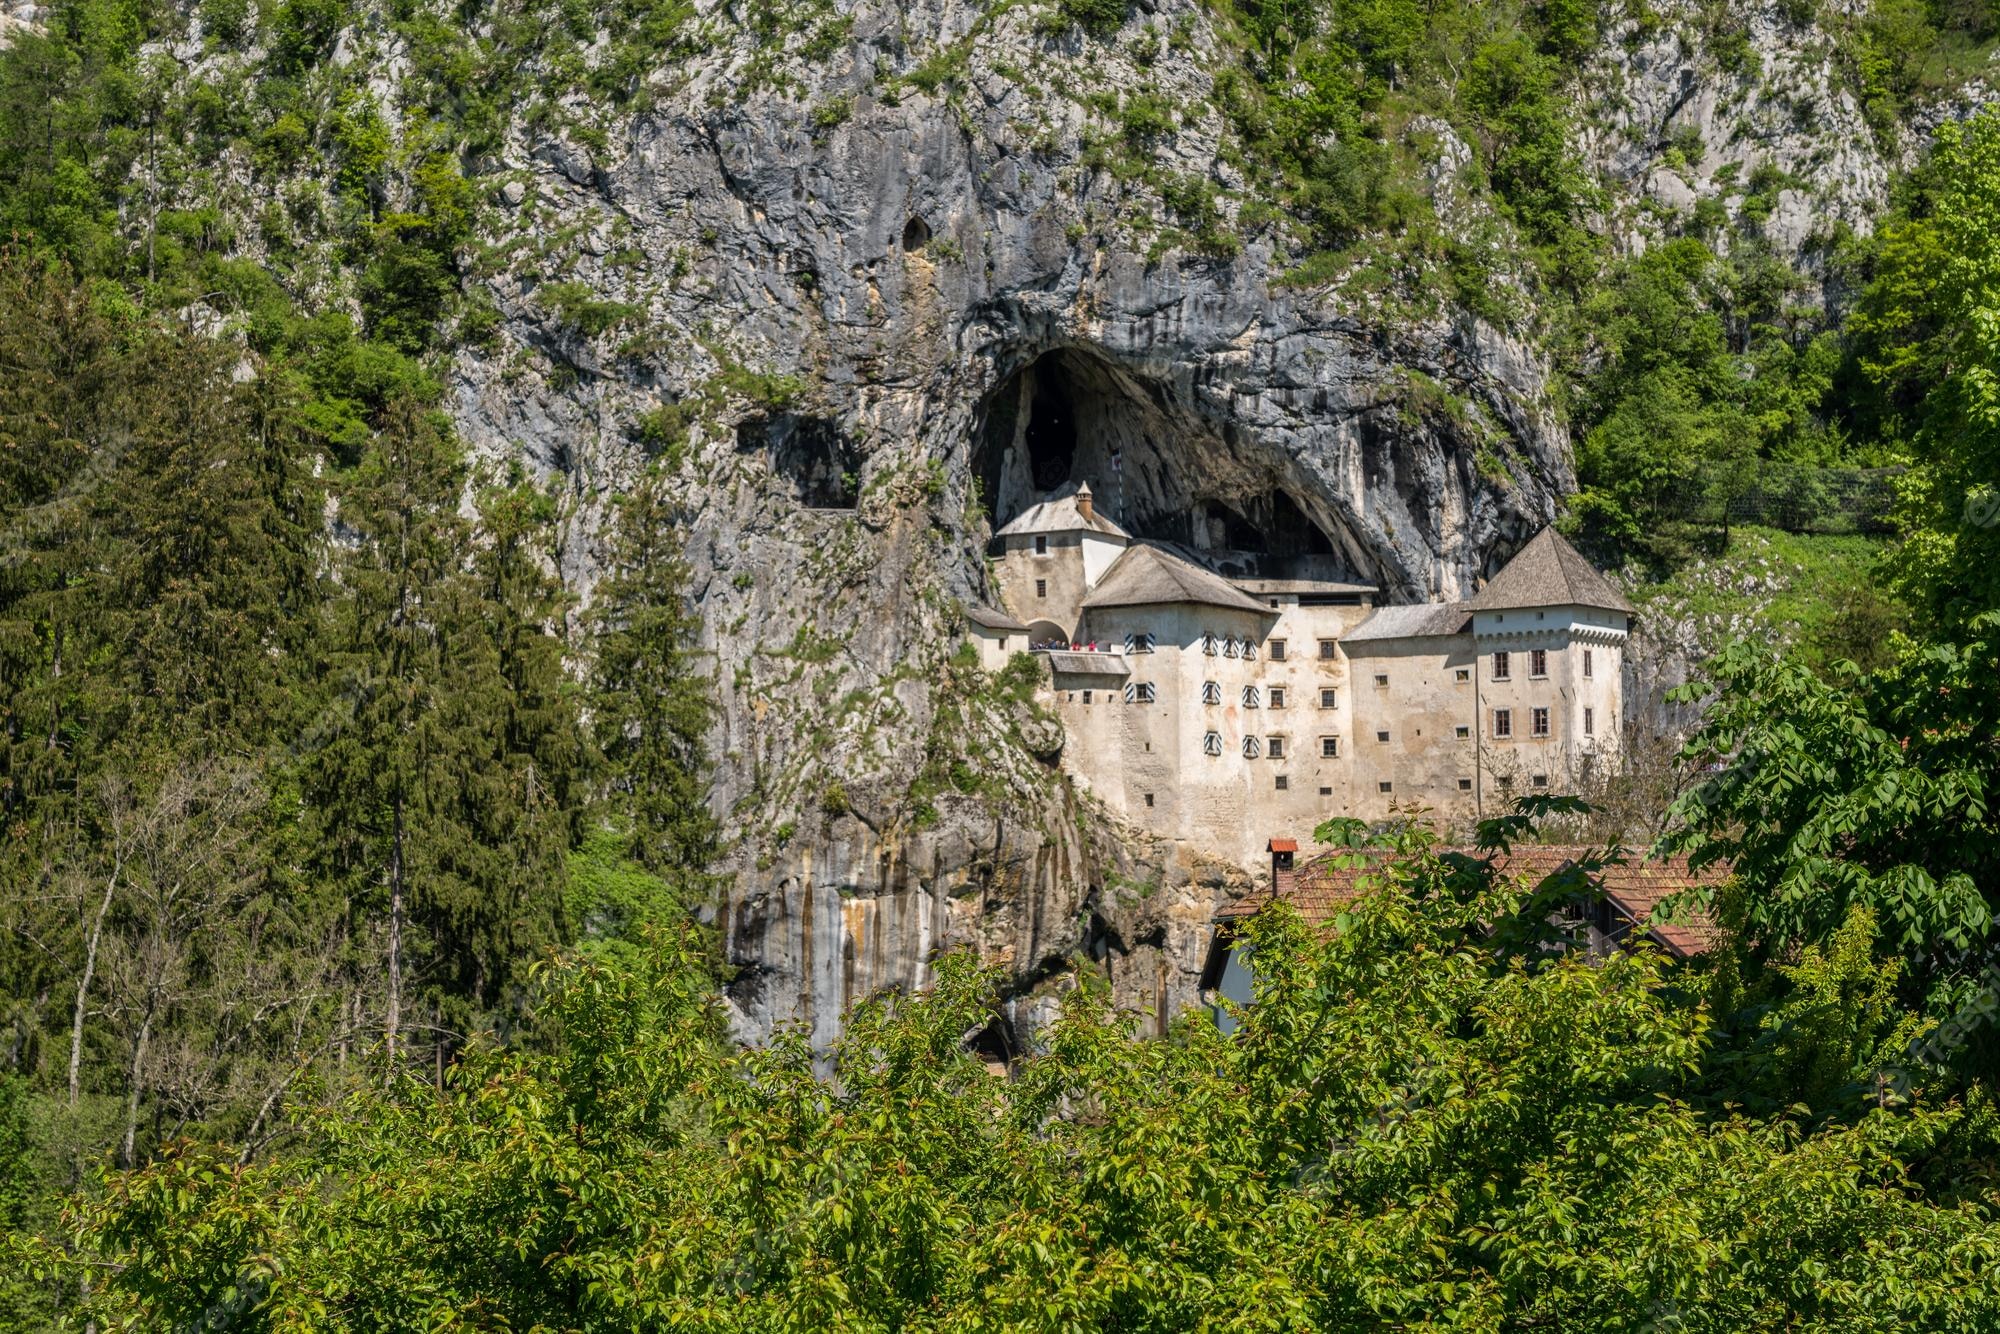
[[871, 276], [887, 332]]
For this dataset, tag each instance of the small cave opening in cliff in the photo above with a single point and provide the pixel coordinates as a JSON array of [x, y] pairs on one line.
[[812, 456], [1159, 465], [916, 235]]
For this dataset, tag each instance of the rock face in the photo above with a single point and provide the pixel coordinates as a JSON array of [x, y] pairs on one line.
[[865, 278], [1759, 130], [886, 333]]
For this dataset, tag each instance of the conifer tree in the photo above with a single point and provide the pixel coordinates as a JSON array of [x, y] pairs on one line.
[[651, 703], [444, 807]]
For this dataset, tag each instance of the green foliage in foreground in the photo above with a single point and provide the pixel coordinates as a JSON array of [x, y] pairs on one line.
[[1878, 787], [1412, 1128]]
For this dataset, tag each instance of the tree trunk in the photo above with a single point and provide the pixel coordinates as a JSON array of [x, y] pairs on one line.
[[392, 1022], [83, 984], [128, 1147]]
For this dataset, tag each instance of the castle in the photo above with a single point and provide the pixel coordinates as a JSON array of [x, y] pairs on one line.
[[1224, 711]]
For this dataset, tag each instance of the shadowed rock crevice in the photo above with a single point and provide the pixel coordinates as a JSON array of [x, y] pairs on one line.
[[809, 457], [1158, 465]]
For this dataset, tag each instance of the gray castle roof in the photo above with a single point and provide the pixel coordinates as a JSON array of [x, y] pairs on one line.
[[1089, 664], [1548, 572], [991, 619], [1148, 575], [1415, 622], [1060, 514]]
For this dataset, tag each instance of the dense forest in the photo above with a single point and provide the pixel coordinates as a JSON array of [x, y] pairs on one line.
[[352, 976]]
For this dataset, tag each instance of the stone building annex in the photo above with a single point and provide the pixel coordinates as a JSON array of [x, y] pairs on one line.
[[1209, 703]]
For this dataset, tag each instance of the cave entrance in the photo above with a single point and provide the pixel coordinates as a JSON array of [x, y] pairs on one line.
[[1159, 465], [1051, 432]]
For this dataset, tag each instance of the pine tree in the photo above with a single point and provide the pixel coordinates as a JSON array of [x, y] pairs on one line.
[[445, 808], [651, 703]]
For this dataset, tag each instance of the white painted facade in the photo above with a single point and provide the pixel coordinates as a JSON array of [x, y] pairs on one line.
[[1225, 713]]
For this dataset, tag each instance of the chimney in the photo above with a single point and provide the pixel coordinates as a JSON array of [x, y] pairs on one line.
[[1282, 851], [1084, 505]]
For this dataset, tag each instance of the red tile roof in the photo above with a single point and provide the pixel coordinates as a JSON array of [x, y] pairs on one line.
[[1322, 887], [1282, 845]]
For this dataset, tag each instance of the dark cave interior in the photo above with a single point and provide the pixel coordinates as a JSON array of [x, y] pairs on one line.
[[1156, 467]]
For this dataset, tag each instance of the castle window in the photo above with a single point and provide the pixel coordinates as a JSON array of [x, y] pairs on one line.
[[1329, 747], [1041, 588], [1251, 747], [1381, 678], [1503, 722], [1086, 697], [1587, 665], [1590, 722], [1208, 643], [1326, 792], [1211, 692], [1502, 670], [1538, 662], [1249, 697], [1275, 747], [1538, 721], [1139, 641], [1540, 780], [1284, 783], [1139, 692], [1041, 544], [1249, 649], [1461, 732], [1506, 782], [1149, 800], [1465, 785], [1326, 650], [1212, 744], [1229, 646], [1277, 697], [1463, 674], [1329, 698], [1381, 736], [1277, 650], [1385, 786]]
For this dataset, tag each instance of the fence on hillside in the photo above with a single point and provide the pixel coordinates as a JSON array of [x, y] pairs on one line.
[[1799, 498]]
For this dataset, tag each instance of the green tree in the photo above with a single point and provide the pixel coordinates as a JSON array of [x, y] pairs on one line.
[[1409, 1127], [651, 703], [443, 806]]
